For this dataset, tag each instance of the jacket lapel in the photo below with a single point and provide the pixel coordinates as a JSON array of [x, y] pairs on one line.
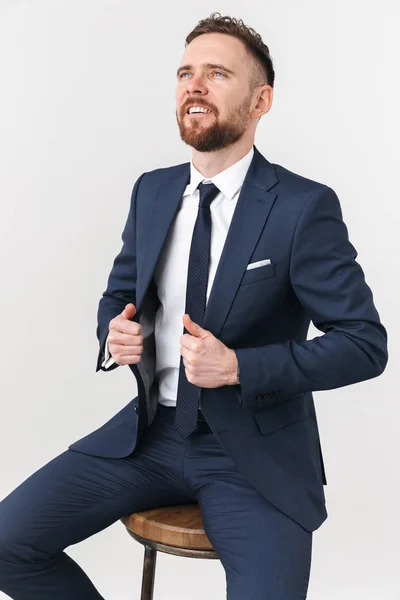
[[164, 209], [252, 210]]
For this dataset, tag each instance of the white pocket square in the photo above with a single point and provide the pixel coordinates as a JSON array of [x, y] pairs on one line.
[[259, 263]]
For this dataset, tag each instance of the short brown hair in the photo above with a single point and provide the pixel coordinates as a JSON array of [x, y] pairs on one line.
[[263, 73]]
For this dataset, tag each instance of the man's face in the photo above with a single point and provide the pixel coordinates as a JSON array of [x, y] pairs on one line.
[[223, 89]]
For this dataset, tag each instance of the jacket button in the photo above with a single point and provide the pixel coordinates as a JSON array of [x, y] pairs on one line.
[[136, 409]]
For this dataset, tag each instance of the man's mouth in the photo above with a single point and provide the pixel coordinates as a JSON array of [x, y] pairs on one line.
[[198, 111]]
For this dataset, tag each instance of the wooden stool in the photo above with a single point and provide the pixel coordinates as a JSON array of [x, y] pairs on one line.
[[173, 530]]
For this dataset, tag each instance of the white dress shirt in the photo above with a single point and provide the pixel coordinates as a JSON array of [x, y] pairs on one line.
[[171, 272]]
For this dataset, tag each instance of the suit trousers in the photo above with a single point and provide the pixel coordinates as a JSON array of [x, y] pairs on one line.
[[265, 554]]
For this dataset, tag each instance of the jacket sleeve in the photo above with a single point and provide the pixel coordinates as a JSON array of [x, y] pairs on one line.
[[121, 286], [331, 287]]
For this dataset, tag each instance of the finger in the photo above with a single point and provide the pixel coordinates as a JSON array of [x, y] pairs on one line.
[[117, 350], [188, 341], [124, 326], [124, 339], [128, 360], [129, 311]]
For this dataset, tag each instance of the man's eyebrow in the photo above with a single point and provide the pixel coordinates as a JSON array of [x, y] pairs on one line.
[[207, 66]]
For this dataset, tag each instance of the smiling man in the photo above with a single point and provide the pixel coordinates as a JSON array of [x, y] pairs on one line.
[[220, 103], [225, 261]]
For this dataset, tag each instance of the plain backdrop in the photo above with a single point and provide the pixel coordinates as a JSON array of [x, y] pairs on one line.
[[87, 105]]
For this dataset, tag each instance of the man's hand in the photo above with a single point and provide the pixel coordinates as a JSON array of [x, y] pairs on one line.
[[208, 362], [125, 341]]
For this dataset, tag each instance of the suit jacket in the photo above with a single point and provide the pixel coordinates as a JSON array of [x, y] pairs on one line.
[[267, 424]]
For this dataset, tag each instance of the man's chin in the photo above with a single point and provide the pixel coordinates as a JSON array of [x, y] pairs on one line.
[[193, 144], [204, 139], [191, 139]]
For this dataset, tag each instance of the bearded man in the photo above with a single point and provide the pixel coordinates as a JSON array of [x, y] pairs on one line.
[[225, 261]]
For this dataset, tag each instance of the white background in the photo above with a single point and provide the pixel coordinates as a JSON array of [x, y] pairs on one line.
[[86, 105]]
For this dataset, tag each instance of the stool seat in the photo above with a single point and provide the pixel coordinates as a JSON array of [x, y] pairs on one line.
[[175, 530], [180, 526]]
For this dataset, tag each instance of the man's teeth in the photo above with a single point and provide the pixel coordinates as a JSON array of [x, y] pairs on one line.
[[194, 109]]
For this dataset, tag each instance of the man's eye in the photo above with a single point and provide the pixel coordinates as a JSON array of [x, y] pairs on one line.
[[181, 75]]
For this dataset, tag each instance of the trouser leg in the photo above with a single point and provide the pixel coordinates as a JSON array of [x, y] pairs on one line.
[[265, 554], [71, 498]]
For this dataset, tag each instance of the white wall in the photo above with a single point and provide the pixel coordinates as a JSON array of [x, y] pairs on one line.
[[87, 105]]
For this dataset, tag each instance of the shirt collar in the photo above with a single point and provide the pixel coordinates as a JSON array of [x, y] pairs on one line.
[[228, 181]]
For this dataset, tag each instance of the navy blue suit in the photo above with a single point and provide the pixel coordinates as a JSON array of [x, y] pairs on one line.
[[265, 429], [264, 315]]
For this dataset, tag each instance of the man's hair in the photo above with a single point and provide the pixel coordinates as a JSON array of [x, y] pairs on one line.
[[263, 71]]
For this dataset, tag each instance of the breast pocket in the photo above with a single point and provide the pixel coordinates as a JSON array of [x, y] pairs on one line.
[[259, 274]]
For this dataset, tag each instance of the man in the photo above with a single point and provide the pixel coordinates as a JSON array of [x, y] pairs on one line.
[[224, 262]]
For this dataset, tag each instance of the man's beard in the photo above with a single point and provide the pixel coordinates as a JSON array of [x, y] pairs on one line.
[[218, 135]]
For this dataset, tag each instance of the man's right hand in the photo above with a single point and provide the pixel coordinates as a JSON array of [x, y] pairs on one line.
[[125, 341]]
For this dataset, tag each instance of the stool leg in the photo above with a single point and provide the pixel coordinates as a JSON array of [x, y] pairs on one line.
[[149, 567]]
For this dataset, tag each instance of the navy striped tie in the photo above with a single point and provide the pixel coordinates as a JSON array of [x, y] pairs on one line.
[[187, 402]]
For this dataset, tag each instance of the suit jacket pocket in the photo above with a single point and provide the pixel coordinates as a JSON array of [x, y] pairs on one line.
[[281, 414], [259, 273]]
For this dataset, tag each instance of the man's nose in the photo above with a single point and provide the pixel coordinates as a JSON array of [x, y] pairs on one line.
[[196, 85]]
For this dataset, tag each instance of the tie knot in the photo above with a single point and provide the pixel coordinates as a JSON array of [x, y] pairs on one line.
[[208, 191]]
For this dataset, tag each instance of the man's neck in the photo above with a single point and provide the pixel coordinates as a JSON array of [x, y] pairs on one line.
[[210, 164]]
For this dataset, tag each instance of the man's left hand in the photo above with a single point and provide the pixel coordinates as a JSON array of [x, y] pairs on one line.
[[208, 362]]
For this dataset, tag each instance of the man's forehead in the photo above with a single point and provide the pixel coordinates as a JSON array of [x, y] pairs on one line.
[[214, 48]]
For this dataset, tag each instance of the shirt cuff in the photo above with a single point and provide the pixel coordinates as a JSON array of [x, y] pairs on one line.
[[108, 359]]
